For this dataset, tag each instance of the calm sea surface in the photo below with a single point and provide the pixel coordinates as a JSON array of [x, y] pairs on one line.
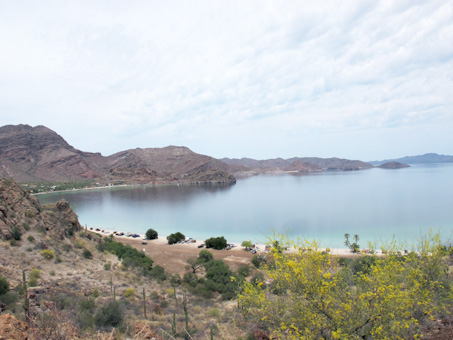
[[375, 204]]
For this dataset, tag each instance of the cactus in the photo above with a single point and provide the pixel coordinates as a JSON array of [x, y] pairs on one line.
[[144, 302], [184, 305], [26, 305], [173, 325]]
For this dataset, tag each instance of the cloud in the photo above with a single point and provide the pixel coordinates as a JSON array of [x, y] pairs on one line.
[[115, 75]]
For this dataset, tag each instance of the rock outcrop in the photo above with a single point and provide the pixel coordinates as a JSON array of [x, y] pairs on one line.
[[19, 211]]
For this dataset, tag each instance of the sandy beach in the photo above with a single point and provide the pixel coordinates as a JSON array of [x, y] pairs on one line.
[[174, 257]]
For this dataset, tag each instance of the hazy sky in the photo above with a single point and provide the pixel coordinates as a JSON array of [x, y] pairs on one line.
[[355, 79]]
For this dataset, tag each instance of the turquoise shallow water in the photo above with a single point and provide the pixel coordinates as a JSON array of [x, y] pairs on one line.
[[376, 204]]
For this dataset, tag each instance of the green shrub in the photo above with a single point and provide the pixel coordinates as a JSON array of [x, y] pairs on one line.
[[16, 234], [205, 256], [107, 266], [175, 238], [151, 234], [129, 293], [218, 243], [87, 254], [4, 285], [109, 315], [244, 270], [48, 254], [259, 260], [30, 238], [33, 277]]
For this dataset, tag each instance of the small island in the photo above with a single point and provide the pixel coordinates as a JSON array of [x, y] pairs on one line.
[[393, 165]]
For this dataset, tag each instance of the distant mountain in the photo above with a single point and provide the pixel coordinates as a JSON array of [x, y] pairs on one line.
[[426, 158], [296, 164], [29, 154]]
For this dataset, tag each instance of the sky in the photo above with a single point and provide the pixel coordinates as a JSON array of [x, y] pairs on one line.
[[366, 80]]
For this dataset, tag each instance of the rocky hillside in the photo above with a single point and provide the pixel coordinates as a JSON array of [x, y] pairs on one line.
[[20, 212], [296, 164], [39, 154]]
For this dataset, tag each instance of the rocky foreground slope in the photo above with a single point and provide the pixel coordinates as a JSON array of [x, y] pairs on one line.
[[29, 154]]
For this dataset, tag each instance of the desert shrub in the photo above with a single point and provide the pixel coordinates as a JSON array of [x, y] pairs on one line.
[[26, 226], [87, 254], [96, 292], [109, 315], [214, 312], [107, 266], [344, 261], [362, 265], [85, 310], [129, 293], [16, 234], [154, 295], [244, 270], [191, 279], [79, 243], [48, 254], [163, 304], [66, 247], [158, 273], [218, 277], [33, 277], [151, 234], [218, 243], [30, 238], [259, 260], [4, 285], [205, 256], [175, 238]]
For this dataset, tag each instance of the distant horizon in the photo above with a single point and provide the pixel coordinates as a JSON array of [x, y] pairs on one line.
[[256, 79]]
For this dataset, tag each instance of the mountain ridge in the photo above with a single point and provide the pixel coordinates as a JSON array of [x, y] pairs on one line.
[[39, 154], [425, 158]]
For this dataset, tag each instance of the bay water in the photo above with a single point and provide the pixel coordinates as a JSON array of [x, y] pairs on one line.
[[376, 204]]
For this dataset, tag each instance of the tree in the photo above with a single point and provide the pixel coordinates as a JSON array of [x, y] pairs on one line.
[[151, 234], [247, 244], [218, 243], [311, 296], [175, 238]]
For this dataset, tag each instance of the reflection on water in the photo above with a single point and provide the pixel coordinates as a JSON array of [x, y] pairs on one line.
[[373, 203]]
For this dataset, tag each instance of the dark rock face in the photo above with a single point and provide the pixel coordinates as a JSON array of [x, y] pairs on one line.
[[39, 154], [393, 165]]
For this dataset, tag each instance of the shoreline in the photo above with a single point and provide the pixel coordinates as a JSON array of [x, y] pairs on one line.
[[173, 258]]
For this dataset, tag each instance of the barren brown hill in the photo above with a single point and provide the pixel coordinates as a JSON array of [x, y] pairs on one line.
[[302, 164], [39, 154]]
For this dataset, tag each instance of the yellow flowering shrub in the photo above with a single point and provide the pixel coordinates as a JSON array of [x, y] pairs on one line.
[[310, 296]]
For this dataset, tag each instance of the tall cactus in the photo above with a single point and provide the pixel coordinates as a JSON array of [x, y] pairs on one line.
[[173, 325], [26, 305], [184, 305], [144, 302]]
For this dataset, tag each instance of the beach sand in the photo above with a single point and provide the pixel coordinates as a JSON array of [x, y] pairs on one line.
[[174, 257]]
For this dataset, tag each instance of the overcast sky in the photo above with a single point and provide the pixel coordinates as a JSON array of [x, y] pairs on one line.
[[360, 79]]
